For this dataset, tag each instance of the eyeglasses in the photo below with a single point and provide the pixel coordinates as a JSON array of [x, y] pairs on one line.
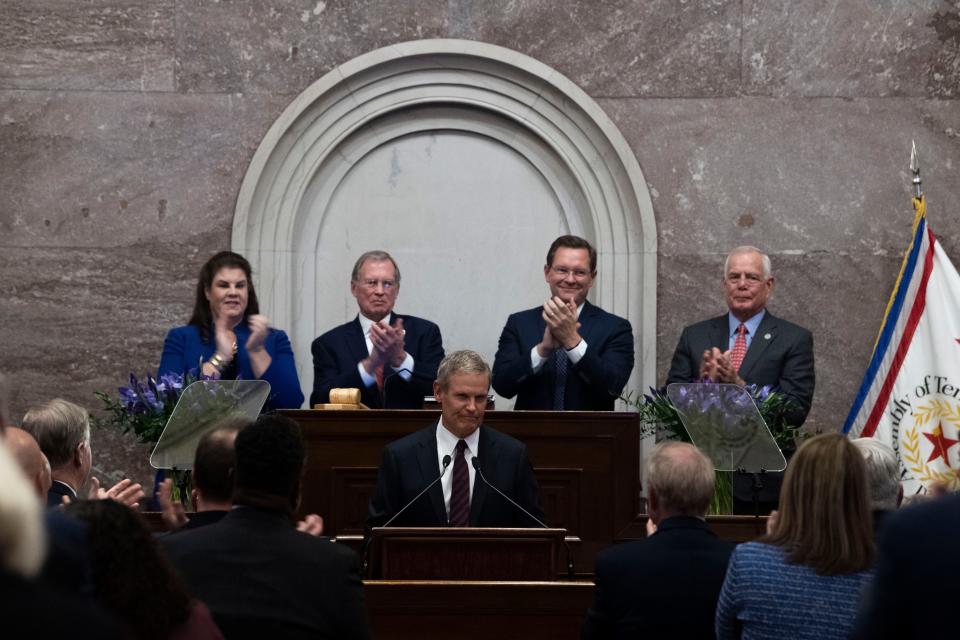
[[372, 284], [563, 272]]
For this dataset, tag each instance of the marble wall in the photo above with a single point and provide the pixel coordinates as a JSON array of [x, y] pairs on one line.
[[126, 127]]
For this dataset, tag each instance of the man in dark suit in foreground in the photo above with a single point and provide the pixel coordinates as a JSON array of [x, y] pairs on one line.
[[257, 573], [749, 345], [462, 497], [918, 570], [567, 354], [391, 358], [667, 585]]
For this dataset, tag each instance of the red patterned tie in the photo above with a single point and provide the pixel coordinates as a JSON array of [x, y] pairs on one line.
[[739, 348], [460, 496], [378, 374]]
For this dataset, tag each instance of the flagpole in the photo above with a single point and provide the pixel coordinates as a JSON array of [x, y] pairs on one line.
[[915, 168]]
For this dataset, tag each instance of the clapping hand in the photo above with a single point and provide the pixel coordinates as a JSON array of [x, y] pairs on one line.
[[126, 492], [388, 343], [259, 328]]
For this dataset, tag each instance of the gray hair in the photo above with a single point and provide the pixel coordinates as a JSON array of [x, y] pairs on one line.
[[59, 427], [374, 256], [465, 361], [682, 477], [883, 472], [767, 268]]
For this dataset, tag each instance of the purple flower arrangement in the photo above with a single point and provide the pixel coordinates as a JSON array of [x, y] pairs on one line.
[[143, 406]]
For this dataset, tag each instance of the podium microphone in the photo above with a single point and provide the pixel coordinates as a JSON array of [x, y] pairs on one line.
[[476, 466], [446, 464], [368, 535]]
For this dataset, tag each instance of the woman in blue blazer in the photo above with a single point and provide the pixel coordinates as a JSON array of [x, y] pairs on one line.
[[227, 338]]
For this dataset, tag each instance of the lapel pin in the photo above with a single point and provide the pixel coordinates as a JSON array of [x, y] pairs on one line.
[[767, 336]]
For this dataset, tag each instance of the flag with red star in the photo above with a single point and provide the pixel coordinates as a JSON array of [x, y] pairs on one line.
[[910, 394]]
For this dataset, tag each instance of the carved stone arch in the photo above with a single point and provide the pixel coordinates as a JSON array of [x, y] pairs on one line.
[[527, 120]]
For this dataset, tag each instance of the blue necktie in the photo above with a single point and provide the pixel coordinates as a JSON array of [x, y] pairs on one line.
[[560, 386]]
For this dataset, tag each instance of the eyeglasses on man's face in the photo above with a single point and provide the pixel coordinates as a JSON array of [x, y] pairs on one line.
[[564, 272]]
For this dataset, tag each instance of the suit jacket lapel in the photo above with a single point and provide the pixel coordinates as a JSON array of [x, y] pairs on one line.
[[356, 342], [427, 458], [759, 343], [488, 455], [588, 322], [720, 333]]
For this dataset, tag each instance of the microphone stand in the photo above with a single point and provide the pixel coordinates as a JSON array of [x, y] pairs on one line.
[[368, 533], [570, 569]]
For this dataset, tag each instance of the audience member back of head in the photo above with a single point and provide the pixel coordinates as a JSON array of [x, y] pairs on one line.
[[666, 585], [805, 578], [256, 572], [134, 581]]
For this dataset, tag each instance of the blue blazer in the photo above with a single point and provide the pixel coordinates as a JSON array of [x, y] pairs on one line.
[[411, 463], [183, 352], [593, 384], [337, 352]]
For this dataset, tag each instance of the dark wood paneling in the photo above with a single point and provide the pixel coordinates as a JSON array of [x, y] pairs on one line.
[[587, 464]]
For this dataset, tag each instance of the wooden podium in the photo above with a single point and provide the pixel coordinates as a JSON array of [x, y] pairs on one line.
[[467, 553]]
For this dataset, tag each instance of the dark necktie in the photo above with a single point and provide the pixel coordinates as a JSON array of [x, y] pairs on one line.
[[560, 385], [460, 496], [739, 348]]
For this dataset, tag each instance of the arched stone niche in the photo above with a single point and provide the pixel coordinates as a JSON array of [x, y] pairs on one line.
[[462, 159]]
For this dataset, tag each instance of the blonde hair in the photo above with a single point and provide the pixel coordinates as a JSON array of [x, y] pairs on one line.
[[464, 361], [824, 518], [22, 536], [58, 427]]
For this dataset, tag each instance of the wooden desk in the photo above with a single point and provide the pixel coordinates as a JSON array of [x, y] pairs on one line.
[[587, 465], [467, 610]]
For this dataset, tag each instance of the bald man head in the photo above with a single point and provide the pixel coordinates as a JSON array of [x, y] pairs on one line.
[[31, 459]]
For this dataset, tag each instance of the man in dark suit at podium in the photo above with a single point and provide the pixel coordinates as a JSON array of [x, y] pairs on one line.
[[391, 358], [749, 345], [442, 457], [567, 354], [667, 585]]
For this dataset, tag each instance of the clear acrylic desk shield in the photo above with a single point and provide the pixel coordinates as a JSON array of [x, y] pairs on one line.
[[201, 407], [724, 422]]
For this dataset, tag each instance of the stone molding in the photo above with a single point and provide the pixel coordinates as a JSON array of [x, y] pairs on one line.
[[471, 86]]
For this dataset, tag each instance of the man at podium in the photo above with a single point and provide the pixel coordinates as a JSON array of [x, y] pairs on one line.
[[456, 471]]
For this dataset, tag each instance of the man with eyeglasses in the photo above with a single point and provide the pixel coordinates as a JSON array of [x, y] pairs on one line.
[[567, 354], [391, 358], [749, 345]]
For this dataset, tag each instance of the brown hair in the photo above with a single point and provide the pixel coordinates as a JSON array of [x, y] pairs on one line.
[[202, 317], [572, 242], [824, 519]]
